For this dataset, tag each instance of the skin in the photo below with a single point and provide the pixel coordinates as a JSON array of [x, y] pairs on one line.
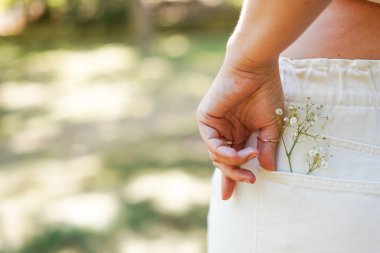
[[351, 28], [247, 89]]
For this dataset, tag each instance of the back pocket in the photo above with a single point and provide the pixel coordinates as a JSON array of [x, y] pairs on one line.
[[301, 214]]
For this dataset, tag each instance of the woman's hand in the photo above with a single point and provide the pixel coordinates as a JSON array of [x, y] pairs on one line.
[[247, 90], [238, 103]]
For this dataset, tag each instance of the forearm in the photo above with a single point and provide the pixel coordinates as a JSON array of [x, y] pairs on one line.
[[267, 27]]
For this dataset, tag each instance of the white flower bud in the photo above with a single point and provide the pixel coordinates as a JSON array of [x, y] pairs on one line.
[[286, 119], [293, 121], [292, 106], [278, 111], [312, 152]]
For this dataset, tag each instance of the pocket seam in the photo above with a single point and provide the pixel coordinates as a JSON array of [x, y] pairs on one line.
[[322, 182], [264, 234], [350, 145]]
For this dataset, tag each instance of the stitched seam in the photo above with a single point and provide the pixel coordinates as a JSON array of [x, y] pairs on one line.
[[299, 101], [351, 145], [324, 183]]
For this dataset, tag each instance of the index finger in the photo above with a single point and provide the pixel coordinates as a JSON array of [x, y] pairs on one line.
[[221, 151]]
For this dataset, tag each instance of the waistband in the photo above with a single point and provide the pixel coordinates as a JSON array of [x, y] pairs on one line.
[[327, 62], [343, 82]]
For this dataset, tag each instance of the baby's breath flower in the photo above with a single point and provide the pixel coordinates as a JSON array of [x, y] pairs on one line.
[[312, 152], [292, 106], [293, 121], [302, 119]]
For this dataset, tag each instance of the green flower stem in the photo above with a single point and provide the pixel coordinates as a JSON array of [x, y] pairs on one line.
[[302, 128], [294, 143], [287, 154], [311, 168]]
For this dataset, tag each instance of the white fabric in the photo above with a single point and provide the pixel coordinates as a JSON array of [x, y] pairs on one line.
[[332, 210]]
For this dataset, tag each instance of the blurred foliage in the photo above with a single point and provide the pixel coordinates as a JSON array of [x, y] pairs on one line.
[[60, 143], [88, 119], [64, 238], [140, 216], [134, 15]]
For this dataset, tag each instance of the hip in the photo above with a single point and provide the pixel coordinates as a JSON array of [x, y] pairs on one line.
[[333, 209], [349, 91]]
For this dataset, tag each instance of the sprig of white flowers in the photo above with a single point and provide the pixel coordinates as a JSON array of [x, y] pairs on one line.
[[317, 156]]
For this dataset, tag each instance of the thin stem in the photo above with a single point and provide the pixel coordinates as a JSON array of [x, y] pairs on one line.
[[295, 141], [311, 168], [303, 127], [287, 154], [294, 144], [290, 163]]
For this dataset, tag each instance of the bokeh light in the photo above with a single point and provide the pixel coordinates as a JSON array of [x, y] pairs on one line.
[[99, 145]]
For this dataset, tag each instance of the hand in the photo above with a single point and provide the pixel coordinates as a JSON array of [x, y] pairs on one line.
[[238, 103]]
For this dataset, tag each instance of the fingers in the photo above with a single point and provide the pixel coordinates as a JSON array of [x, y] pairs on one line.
[[228, 186], [231, 175], [228, 159], [238, 158], [222, 153], [268, 149], [236, 173]]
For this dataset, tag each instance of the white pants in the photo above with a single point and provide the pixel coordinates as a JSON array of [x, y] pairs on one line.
[[332, 210]]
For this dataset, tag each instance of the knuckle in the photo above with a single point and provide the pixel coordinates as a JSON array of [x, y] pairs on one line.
[[239, 177], [237, 160], [224, 168], [214, 158], [234, 161], [216, 164]]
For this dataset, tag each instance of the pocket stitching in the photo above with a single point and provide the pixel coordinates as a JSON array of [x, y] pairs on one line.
[[322, 183], [262, 212], [351, 145]]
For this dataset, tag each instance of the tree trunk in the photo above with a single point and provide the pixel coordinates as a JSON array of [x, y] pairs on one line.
[[142, 23]]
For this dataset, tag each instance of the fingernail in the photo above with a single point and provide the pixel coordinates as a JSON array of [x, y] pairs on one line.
[[249, 180]]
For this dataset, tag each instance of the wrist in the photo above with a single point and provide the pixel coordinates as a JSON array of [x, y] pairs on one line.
[[247, 53], [241, 66]]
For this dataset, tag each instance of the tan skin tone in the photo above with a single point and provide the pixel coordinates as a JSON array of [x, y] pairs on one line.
[[351, 29], [247, 89]]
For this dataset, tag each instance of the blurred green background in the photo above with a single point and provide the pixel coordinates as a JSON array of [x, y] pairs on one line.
[[99, 146]]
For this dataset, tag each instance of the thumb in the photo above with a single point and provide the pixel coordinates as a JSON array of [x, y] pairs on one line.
[[268, 149]]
